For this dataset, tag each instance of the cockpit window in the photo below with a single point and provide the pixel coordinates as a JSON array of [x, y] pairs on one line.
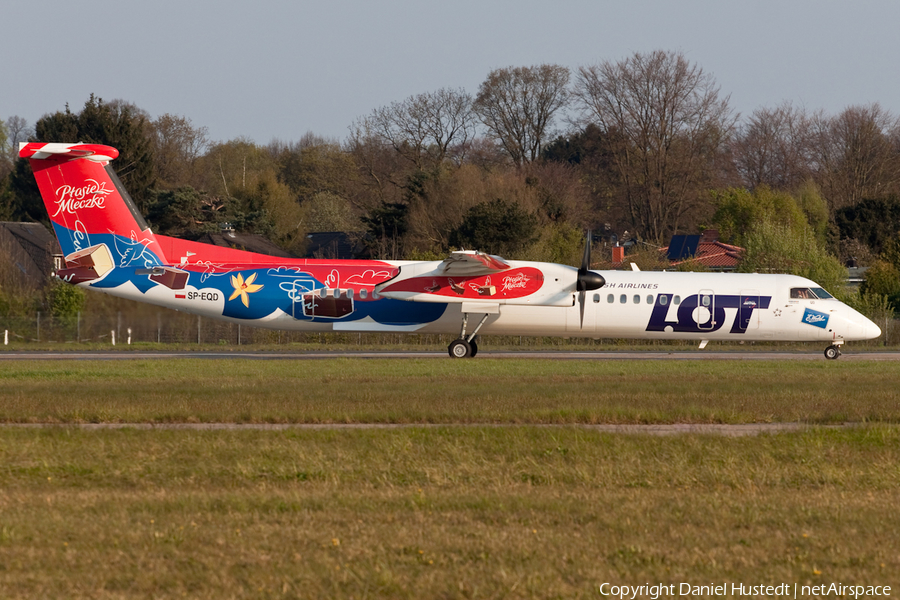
[[810, 294], [821, 294]]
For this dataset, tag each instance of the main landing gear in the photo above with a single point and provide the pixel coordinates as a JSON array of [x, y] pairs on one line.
[[833, 352], [463, 346]]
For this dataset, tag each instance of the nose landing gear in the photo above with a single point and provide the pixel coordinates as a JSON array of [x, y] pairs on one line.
[[833, 352]]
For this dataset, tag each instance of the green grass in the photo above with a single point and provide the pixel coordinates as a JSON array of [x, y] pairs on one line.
[[443, 391], [519, 512], [448, 512]]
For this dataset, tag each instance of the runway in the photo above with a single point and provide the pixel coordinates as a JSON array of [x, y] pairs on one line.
[[667, 429], [486, 354]]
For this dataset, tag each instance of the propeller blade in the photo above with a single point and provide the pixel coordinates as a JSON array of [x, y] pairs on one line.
[[587, 280], [586, 260], [581, 298]]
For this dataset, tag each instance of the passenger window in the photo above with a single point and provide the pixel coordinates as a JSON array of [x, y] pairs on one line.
[[623, 299], [362, 294], [676, 300], [611, 298], [323, 292], [649, 298], [663, 300], [704, 300], [596, 298], [350, 294], [637, 299]]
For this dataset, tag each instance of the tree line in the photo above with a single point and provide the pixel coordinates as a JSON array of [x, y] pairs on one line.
[[643, 147]]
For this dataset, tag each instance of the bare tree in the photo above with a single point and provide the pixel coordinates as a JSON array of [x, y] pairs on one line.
[[518, 104], [177, 145], [671, 124], [18, 130], [5, 154], [426, 128], [773, 148], [13, 132], [856, 155], [381, 171]]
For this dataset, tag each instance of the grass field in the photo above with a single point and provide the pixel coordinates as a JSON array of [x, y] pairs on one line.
[[447, 512], [445, 391]]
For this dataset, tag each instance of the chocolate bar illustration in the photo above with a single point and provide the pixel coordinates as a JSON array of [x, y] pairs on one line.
[[87, 265], [456, 287], [487, 290], [174, 279], [330, 307]]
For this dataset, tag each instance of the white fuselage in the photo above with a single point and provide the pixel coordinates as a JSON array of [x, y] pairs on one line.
[[625, 308], [632, 304]]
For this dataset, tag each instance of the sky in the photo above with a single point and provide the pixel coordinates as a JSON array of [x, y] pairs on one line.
[[267, 70]]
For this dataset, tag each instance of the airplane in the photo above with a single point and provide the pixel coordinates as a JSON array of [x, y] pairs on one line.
[[108, 247]]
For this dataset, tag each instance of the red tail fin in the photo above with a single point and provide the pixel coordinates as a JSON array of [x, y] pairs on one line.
[[88, 205]]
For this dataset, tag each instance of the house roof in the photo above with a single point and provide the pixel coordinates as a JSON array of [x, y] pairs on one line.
[[714, 254], [30, 247]]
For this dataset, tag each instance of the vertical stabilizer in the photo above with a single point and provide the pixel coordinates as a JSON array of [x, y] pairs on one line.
[[98, 226]]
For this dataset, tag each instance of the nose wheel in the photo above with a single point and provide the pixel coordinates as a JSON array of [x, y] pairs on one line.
[[833, 352]]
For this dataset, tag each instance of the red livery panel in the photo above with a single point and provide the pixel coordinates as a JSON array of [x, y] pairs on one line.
[[515, 283]]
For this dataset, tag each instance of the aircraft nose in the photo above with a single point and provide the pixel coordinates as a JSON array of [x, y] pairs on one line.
[[870, 330], [861, 327]]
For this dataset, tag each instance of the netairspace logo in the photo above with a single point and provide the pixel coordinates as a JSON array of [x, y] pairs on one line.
[[782, 590]]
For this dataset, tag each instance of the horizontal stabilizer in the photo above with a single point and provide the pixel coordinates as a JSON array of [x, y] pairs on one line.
[[94, 152]]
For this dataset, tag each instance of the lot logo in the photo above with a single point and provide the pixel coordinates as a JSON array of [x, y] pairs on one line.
[[815, 318], [713, 316]]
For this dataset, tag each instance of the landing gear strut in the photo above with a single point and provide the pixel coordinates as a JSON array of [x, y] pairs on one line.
[[833, 352], [466, 346]]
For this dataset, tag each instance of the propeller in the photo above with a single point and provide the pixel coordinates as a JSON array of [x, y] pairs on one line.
[[587, 280]]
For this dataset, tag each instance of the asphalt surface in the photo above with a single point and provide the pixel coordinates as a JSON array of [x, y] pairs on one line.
[[721, 429], [669, 355]]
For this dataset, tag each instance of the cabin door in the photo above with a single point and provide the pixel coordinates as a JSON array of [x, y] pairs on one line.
[[705, 313]]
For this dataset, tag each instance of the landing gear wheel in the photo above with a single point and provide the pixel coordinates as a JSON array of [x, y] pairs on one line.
[[832, 352], [474, 345], [460, 349]]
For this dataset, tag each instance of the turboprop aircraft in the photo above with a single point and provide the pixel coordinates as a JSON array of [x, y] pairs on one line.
[[107, 246]]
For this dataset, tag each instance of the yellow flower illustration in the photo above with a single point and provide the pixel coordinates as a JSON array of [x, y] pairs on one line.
[[242, 288]]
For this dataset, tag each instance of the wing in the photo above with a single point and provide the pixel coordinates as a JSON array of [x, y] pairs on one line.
[[470, 263], [467, 276]]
